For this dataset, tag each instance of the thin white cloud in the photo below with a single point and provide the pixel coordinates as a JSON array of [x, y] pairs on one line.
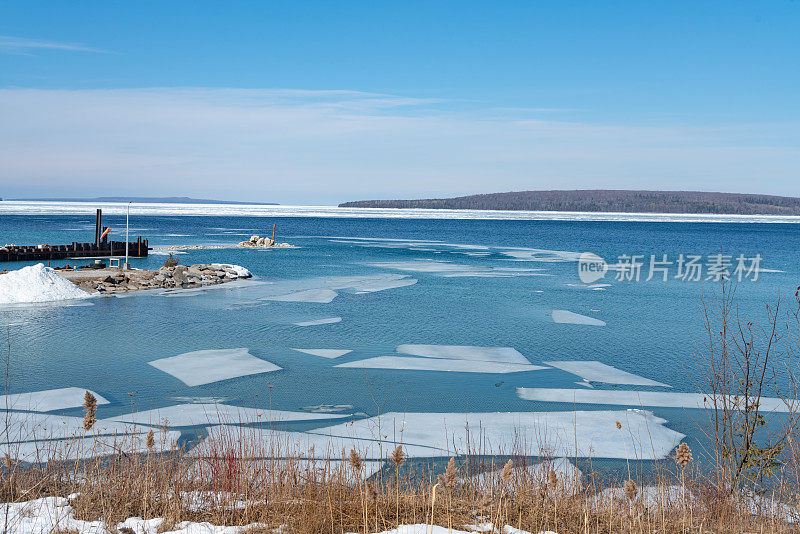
[[23, 46], [328, 146]]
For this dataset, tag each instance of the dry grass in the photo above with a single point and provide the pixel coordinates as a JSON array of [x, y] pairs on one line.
[[331, 495]]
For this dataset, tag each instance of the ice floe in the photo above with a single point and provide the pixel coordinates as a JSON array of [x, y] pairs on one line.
[[424, 266], [88, 447], [318, 295], [568, 476], [639, 398], [315, 322], [370, 283], [48, 400], [464, 352], [327, 408], [595, 371], [37, 283], [440, 364], [207, 366], [326, 353], [567, 434], [568, 317], [29, 426], [215, 414], [248, 442]]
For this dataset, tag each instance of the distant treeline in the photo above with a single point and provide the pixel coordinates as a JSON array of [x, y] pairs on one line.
[[604, 201]]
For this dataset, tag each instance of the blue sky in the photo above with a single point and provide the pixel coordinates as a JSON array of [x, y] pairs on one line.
[[321, 102]]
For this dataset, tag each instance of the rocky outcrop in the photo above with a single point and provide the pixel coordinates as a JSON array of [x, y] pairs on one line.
[[261, 242], [179, 276]]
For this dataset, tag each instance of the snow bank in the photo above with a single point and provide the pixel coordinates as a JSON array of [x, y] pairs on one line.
[[37, 283], [238, 270]]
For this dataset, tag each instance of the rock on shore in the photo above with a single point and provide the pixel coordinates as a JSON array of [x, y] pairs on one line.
[[256, 241], [179, 276]]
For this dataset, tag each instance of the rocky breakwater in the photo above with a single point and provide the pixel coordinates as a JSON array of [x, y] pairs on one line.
[[173, 277], [256, 241]]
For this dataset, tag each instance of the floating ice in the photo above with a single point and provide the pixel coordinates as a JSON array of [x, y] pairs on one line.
[[326, 353], [207, 469], [465, 352], [568, 317], [328, 320], [370, 283], [48, 400], [37, 283], [639, 398], [426, 266], [214, 414], [207, 366], [568, 475], [535, 254], [267, 443], [440, 364], [27, 426], [327, 408], [322, 296], [595, 371], [568, 434], [89, 447]]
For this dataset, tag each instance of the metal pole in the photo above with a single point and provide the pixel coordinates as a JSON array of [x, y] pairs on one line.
[[127, 228]]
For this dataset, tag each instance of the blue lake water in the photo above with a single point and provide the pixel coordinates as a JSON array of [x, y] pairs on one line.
[[649, 329]]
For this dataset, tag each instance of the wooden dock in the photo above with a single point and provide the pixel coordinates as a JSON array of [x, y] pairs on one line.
[[102, 247]]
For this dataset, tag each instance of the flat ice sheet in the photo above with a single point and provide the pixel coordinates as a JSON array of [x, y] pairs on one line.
[[266, 443], [48, 400], [568, 317], [568, 475], [29, 426], [315, 322], [216, 414], [90, 447], [440, 364], [371, 283], [318, 295], [595, 371], [207, 366], [637, 398], [326, 353], [207, 469], [465, 352], [568, 434], [426, 266]]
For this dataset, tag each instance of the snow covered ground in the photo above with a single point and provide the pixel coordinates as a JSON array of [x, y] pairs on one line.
[[37, 283]]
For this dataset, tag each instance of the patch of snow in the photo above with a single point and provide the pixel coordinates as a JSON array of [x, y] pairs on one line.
[[54, 514], [568, 317], [315, 322], [207, 366], [237, 270], [439, 364], [48, 400], [595, 371], [320, 296], [325, 353], [37, 283], [214, 414], [638, 398], [465, 352]]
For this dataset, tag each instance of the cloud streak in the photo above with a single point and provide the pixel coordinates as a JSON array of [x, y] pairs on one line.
[[23, 46], [298, 146]]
